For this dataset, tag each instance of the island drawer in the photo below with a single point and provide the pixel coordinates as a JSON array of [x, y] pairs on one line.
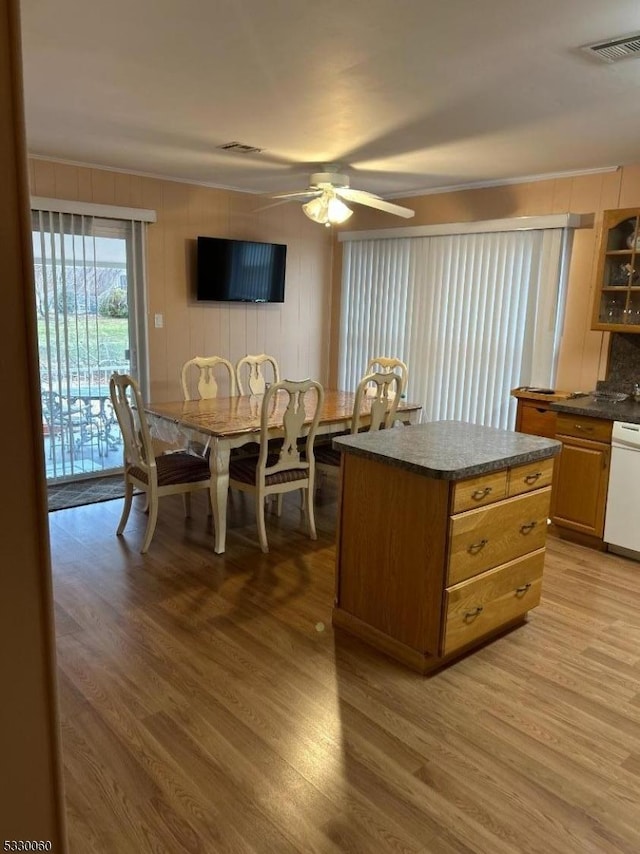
[[477, 491], [530, 476], [490, 536], [584, 427], [481, 605]]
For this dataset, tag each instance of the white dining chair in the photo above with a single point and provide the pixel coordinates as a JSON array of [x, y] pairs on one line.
[[157, 476], [253, 368], [292, 466], [382, 393], [206, 384], [385, 364]]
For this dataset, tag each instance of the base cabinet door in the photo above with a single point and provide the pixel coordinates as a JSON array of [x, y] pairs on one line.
[[581, 485]]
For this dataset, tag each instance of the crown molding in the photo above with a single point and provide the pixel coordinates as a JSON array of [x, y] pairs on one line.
[[503, 182], [404, 194]]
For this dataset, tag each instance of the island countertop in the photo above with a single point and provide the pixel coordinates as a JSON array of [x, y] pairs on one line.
[[448, 450]]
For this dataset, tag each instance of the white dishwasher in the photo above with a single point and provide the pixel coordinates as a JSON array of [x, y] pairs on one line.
[[622, 520]]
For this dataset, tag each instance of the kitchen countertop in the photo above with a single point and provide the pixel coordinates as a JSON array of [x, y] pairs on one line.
[[449, 450], [623, 410], [525, 393]]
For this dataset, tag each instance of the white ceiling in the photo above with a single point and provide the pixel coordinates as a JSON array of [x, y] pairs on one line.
[[407, 95]]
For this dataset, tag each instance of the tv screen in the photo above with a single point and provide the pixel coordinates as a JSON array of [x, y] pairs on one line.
[[240, 270]]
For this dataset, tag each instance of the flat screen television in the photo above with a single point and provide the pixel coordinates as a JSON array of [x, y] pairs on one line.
[[240, 270]]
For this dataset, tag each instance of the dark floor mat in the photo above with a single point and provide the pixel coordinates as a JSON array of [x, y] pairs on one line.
[[63, 495]]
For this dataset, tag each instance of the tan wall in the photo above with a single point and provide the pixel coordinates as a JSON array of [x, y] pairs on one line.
[[583, 352], [30, 777], [303, 333], [296, 332]]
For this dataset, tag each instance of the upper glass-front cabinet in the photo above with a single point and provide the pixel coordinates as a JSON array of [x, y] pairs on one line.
[[617, 296]]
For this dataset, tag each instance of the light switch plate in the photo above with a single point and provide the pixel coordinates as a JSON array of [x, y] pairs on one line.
[[158, 321]]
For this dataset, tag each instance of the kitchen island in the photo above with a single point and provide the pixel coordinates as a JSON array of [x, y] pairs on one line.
[[441, 536]]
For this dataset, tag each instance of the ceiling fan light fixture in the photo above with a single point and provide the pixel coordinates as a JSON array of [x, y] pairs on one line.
[[317, 209], [327, 210], [338, 211]]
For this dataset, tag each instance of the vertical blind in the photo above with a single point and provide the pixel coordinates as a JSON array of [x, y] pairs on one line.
[[472, 315], [88, 269]]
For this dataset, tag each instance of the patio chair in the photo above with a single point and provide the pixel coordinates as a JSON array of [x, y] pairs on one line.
[[68, 423]]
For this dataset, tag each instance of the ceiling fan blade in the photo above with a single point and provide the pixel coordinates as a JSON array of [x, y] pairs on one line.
[[372, 201], [272, 205], [356, 195], [305, 194]]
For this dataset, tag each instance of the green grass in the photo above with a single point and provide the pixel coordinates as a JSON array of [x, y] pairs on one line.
[[90, 339]]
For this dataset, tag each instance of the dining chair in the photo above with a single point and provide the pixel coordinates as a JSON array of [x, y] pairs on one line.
[[256, 379], [383, 392], [385, 364], [292, 467], [165, 474], [207, 387]]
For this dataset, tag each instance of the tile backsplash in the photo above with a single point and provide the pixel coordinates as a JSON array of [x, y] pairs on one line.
[[623, 369]]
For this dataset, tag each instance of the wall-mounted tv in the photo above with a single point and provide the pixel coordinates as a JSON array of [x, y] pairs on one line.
[[240, 270]]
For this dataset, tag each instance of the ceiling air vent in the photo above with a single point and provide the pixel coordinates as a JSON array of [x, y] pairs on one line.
[[614, 50], [239, 148]]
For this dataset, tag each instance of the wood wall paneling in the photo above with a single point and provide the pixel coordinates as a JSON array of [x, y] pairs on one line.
[[303, 334], [629, 187], [296, 332]]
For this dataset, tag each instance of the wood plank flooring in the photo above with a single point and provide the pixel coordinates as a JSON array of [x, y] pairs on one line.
[[208, 706]]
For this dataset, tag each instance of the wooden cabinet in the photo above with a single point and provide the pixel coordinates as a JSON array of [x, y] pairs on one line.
[[582, 475], [488, 601], [534, 414], [428, 568], [617, 287], [487, 537], [535, 417]]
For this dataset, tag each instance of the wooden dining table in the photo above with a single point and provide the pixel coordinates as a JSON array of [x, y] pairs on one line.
[[220, 424]]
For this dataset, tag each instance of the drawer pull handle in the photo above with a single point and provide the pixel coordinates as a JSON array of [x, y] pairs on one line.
[[471, 615], [522, 590], [526, 529], [582, 427], [479, 494], [474, 548], [531, 478]]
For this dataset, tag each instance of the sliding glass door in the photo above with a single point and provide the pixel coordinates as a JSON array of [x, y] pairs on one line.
[[88, 284], [472, 315]]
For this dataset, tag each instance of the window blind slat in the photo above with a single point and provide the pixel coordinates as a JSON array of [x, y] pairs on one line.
[[473, 315]]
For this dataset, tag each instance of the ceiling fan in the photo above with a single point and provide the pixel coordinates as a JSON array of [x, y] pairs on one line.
[[327, 193]]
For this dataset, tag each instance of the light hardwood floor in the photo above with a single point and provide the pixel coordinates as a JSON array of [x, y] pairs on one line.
[[208, 706]]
